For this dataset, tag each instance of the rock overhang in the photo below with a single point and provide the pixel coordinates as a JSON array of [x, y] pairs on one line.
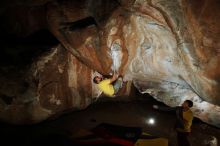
[[156, 44]]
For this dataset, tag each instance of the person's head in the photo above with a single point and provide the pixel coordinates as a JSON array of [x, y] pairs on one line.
[[187, 104], [97, 79]]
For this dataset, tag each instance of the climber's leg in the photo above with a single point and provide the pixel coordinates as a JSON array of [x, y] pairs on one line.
[[118, 84]]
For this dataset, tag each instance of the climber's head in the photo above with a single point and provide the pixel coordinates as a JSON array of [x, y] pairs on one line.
[[97, 79]]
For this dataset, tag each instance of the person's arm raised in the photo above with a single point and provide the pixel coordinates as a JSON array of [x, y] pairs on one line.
[[114, 77], [164, 108]]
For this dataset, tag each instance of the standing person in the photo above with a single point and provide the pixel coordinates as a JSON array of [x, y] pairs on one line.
[[184, 117], [109, 86]]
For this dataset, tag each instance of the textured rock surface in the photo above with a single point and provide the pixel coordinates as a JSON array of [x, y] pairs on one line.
[[167, 63], [169, 49], [55, 82]]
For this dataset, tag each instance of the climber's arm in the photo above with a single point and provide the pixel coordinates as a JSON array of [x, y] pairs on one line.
[[114, 77]]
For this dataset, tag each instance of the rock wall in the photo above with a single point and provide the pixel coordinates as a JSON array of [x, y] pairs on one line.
[[169, 49], [56, 82], [157, 49]]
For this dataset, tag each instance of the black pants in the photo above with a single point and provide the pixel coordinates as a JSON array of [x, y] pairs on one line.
[[183, 138]]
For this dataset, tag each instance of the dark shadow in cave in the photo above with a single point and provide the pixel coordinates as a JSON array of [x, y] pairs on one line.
[[17, 51], [17, 54], [123, 111], [80, 24], [7, 99]]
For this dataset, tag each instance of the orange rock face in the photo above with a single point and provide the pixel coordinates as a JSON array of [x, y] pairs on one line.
[[159, 45]]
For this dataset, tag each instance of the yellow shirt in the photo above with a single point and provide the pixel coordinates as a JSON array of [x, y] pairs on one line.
[[106, 87], [187, 121]]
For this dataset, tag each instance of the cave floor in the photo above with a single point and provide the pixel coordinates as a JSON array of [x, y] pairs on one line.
[[119, 111]]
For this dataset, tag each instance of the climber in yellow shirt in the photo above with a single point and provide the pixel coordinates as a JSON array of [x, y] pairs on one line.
[[109, 86]]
